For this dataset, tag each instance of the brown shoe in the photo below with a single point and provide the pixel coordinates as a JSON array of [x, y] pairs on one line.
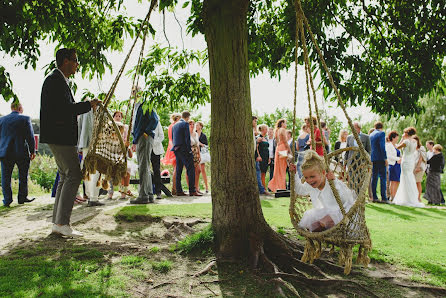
[[174, 192], [181, 194], [195, 194]]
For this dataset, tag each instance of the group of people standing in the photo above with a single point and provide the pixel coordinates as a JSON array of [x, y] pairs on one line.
[[399, 165], [272, 149], [188, 147], [67, 127]]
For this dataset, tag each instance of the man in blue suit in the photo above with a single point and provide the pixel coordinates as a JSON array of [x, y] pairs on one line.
[[183, 154], [379, 160], [16, 148]]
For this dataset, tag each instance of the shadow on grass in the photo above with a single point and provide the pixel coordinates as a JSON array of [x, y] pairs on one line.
[[55, 267], [391, 212], [438, 272], [440, 212], [266, 204]]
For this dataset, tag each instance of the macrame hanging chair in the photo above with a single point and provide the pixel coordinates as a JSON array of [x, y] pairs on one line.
[[356, 172], [108, 153]]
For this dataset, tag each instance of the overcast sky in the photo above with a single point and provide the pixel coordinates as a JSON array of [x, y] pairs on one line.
[[266, 94]]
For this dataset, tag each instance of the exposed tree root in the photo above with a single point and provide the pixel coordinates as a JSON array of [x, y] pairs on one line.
[[440, 292], [206, 269], [170, 282]]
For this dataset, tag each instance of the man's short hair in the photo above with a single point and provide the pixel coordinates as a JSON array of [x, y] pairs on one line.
[[378, 125], [430, 142], [63, 54], [15, 105], [357, 124], [323, 124], [185, 114], [254, 117]]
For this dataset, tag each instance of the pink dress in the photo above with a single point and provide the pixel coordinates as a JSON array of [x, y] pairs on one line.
[[169, 157], [279, 178]]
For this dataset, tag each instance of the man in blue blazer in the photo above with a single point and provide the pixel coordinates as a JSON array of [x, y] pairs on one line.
[[183, 154], [379, 160], [16, 148]]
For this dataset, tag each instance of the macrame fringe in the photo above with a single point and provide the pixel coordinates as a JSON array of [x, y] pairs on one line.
[[111, 172]]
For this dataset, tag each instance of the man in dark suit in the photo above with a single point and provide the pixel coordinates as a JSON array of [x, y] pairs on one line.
[[59, 129], [379, 160], [183, 154], [16, 148]]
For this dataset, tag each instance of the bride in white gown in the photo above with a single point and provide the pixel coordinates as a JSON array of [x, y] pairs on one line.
[[407, 193]]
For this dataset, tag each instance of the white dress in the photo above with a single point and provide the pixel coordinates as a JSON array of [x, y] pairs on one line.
[[407, 193], [324, 202]]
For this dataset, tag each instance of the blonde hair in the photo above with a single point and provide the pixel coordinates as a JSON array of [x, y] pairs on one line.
[[313, 160], [341, 133], [174, 117], [261, 126], [438, 147]]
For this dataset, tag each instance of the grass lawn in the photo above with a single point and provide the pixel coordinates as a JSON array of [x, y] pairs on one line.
[[408, 237]]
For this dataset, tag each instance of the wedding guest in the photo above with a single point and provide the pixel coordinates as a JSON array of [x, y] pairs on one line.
[[272, 150], [202, 138], [183, 154], [17, 147], [379, 160], [302, 143], [394, 160], [263, 152], [430, 152], [155, 158], [420, 165], [433, 193], [317, 136], [326, 132], [143, 135], [257, 157], [282, 151], [59, 129], [341, 143], [194, 143], [169, 157], [281, 123]]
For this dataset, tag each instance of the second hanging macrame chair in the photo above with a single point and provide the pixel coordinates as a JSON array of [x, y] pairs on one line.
[[352, 229], [108, 153]]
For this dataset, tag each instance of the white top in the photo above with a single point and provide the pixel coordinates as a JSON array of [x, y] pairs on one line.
[[271, 148], [85, 128], [158, 140], [392, 156], [421, 153], [429, 154], [325, 198], [194, 139]]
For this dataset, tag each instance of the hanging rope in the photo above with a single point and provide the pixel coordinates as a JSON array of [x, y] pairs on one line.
[[351, 229]]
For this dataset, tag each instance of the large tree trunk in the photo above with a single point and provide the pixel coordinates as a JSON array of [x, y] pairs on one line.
[[236, 212]]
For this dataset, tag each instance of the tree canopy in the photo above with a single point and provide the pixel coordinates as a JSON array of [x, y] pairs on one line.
[[386, 54]]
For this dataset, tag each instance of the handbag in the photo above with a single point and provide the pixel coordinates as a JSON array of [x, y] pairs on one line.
[[205, 155]]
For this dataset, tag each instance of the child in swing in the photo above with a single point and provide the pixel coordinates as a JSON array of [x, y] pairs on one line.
[[325, 212]]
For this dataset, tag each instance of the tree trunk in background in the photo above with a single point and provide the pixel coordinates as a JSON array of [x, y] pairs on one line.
[[237, 217]]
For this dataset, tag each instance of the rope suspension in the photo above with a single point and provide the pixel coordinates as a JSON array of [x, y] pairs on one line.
[[351, 229]]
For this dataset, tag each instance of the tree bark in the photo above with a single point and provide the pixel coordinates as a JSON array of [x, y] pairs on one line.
[[237, 217]]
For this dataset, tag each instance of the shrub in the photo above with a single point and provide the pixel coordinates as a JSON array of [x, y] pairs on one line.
[[33, 188], [43, 170]]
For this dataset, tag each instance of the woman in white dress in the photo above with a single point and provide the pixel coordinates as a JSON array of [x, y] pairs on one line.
[[407, 194]]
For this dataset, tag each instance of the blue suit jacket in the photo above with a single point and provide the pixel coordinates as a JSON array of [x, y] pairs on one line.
[[378, 142], [181, 136], [144, 123], [16, 136]]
